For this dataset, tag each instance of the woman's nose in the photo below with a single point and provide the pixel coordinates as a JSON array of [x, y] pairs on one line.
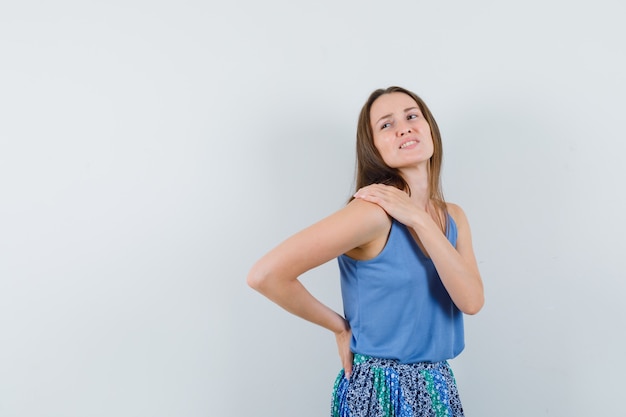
[[404, 130]]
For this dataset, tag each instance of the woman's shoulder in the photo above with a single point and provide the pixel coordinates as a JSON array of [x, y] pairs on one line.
[[369, 211], [375, 224], [454, 209], [458, 215], [365, 215]]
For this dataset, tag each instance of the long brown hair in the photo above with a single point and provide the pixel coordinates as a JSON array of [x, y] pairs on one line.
[[372, 169]]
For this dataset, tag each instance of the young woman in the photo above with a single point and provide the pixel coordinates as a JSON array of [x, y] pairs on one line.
[[408, 270]]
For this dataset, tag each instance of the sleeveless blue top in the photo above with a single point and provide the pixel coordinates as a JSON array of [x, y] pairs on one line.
[[396, 304]]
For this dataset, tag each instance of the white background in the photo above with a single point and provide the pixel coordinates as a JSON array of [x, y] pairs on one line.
[[151, 151]]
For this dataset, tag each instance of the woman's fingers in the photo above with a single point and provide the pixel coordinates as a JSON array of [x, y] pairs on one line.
[[347, 365], [345, 355], [395, 202]]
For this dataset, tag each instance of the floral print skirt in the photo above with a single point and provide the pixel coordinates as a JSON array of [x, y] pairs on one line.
[[387, 388]]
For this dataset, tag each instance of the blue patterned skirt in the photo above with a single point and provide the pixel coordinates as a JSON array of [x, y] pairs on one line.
[[387, 388]]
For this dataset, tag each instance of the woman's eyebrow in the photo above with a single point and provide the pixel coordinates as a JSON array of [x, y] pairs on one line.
[[384, 117], [408, 109]]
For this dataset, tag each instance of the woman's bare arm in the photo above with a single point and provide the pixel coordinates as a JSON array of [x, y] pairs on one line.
[[276, 274], [457, 267]]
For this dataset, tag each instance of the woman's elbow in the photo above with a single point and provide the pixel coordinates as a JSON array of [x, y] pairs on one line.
[[256, 278], [474, 306], [264, 277]]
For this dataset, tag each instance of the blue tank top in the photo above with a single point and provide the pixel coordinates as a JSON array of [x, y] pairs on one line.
[[396, 304]]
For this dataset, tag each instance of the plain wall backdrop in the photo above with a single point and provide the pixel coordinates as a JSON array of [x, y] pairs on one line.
[[151, 151]]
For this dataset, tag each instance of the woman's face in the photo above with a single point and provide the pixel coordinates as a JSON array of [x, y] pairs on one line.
[[401, 133]]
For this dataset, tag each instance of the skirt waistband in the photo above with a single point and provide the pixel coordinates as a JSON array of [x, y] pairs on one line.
[[361, 359]]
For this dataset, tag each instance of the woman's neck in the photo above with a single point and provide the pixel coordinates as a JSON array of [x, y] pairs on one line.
[[417, 180]]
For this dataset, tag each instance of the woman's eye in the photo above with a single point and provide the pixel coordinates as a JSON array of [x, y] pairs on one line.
[[385, 125], [411, 116]]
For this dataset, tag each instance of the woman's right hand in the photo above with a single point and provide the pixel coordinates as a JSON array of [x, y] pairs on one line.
[[343, 345]]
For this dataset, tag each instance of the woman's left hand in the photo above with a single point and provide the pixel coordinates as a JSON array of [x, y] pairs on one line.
[[395, 202]]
